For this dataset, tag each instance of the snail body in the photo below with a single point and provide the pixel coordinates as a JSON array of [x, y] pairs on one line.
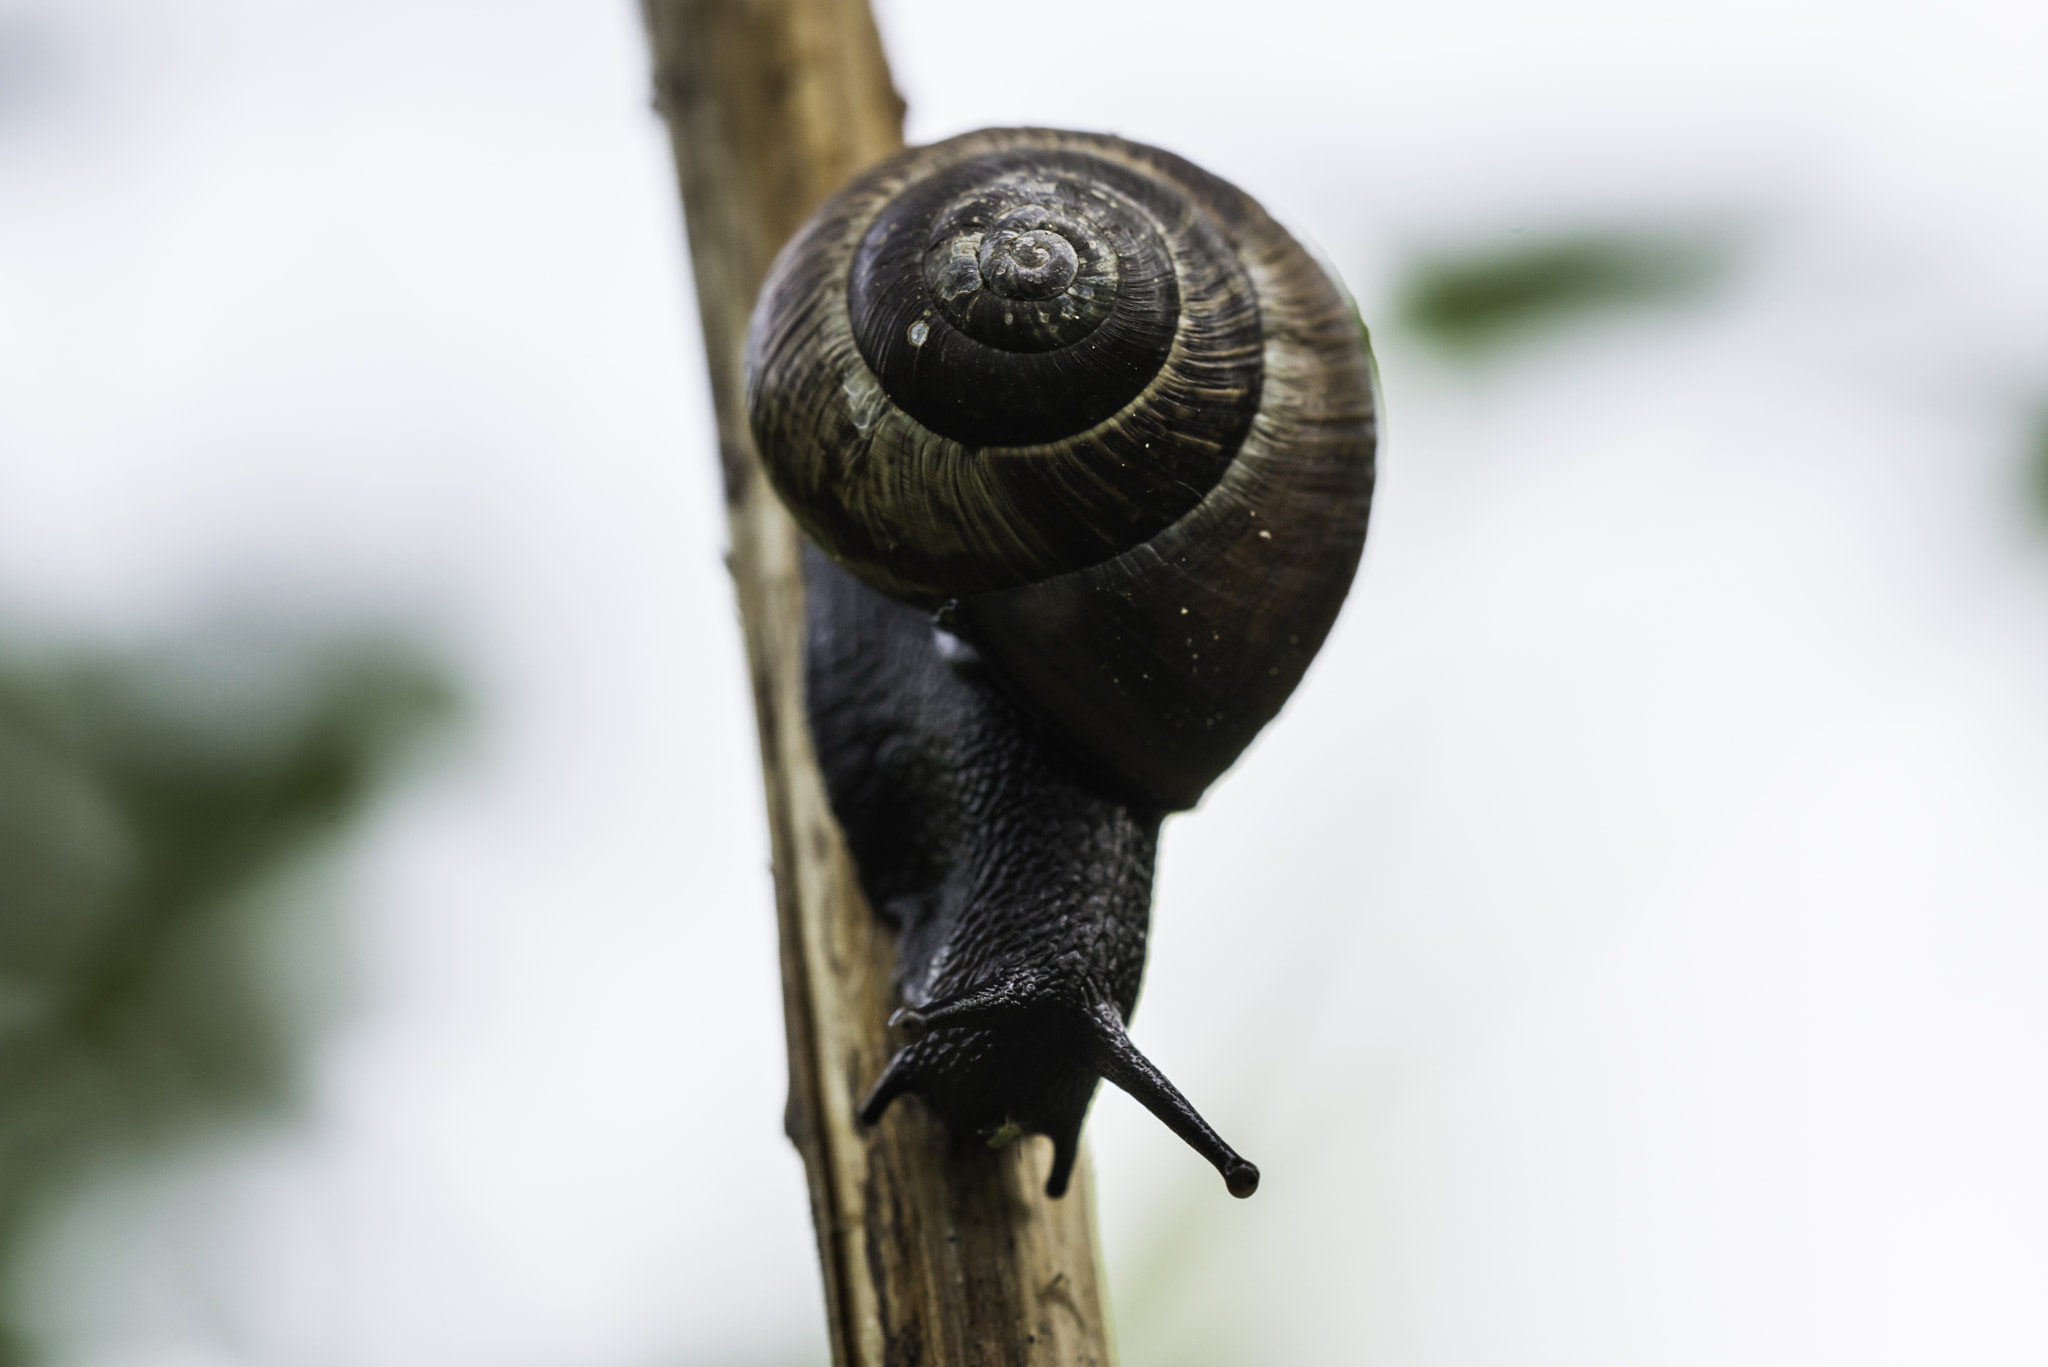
[[1086, 442]]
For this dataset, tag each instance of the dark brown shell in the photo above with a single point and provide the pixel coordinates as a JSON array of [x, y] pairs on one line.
[[1099, 401]]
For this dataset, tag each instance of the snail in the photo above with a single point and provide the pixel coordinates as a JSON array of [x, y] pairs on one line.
[[1083, 443]]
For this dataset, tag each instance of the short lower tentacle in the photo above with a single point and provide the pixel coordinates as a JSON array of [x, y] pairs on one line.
[[896, 1079]]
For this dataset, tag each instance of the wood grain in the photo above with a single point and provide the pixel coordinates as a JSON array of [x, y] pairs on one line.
[[935, 1252]]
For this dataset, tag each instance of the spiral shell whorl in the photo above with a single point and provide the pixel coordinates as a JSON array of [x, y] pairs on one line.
[[952, 411], [1018, 299]]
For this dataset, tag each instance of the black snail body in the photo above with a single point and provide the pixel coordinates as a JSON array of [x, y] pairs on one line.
[[1087, 443]]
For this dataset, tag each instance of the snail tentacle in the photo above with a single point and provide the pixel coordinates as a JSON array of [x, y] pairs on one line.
[[1119, 1061]]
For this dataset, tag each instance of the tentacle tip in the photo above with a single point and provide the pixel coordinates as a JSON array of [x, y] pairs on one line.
[[911, 1022], [1242, 1178]]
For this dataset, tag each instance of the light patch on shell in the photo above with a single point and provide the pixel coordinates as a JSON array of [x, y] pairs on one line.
[[961, 275], [918, 332], [866, 403]]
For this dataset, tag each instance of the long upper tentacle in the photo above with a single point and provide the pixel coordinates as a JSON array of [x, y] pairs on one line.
[[1119, 1062]]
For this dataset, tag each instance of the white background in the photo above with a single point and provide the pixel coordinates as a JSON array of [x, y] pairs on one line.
[[1626, 949]]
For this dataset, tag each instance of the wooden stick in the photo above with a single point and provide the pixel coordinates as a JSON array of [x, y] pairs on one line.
[[934, 1251]]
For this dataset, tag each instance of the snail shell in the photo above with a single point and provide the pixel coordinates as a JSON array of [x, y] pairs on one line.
[[1088, 441], [1097, 400]]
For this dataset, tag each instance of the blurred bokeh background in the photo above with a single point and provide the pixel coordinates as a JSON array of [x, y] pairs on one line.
[[1650, 881]]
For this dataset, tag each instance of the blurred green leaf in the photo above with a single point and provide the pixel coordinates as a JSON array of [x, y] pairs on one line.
[[1469, 301], [152, 808]]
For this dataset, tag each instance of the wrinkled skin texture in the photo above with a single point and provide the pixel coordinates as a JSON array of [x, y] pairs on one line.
[[1019, 882]]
